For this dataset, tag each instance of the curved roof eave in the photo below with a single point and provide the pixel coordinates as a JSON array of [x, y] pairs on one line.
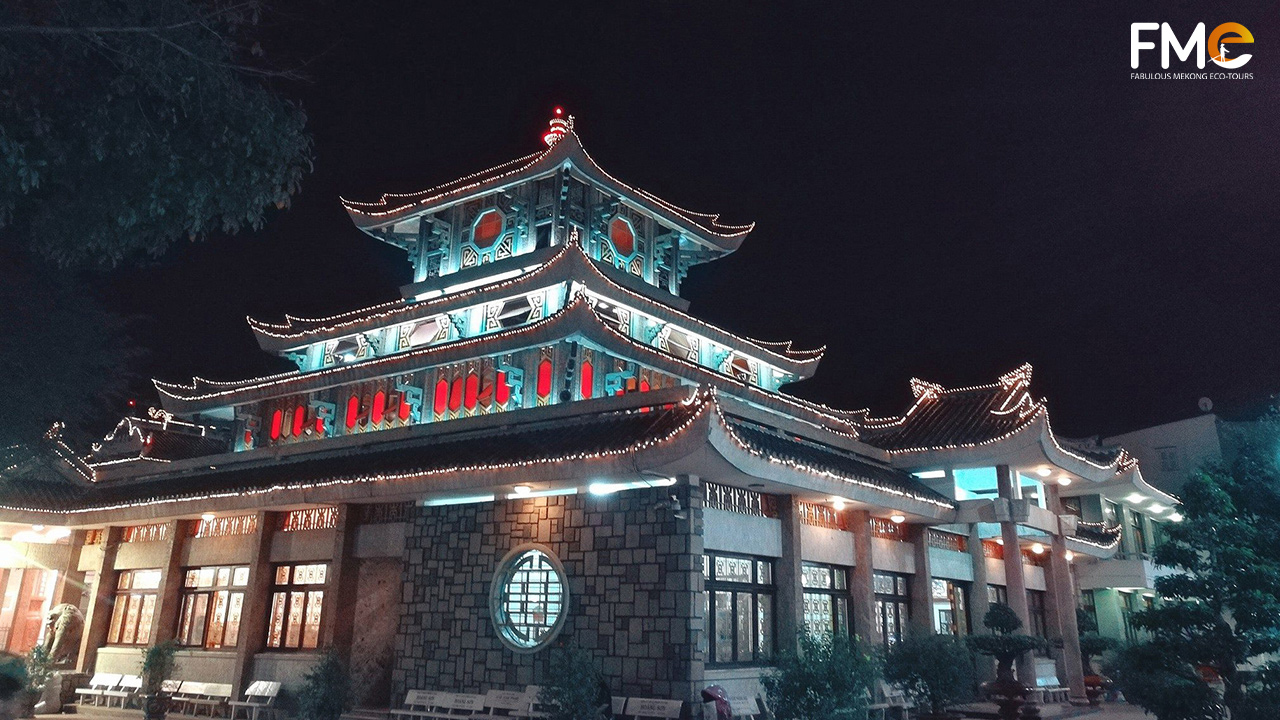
[[703, 226]]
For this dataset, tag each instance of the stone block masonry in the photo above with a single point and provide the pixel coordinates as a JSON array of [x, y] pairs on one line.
[[635, 591]]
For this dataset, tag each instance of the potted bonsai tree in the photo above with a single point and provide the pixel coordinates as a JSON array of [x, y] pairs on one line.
[[935, 671], [1092, 645], [157, 666], [1006, 645]]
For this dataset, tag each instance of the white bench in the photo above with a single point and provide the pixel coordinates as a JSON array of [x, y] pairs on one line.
[[99, 684], [259, 700], [130, 687], [500, 704], [420, 704], [653, 709]]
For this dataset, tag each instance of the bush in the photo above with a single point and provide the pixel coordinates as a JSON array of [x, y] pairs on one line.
[[575, 689], [39, 667], [326, 689], [1152, 677], [830, 679], [158, 665], [934, 670], [13, 675]]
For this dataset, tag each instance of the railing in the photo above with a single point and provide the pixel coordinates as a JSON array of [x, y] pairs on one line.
[[225, 526], [948, 541], [738, 500], [319, 518], [821, 516], [887, 529], [145, 533], [384, 513]]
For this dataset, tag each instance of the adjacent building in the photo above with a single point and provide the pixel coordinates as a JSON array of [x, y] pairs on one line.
[[539, 444]]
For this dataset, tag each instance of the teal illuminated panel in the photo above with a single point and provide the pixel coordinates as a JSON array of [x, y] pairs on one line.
[[976, 483]]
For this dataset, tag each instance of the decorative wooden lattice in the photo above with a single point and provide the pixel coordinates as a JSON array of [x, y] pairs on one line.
[[225, 526], [948, 541], [992, 549], [94, 537], [886, 529], [319, 518], [821, 516], [146, 533], [383, 513], [738, 500]]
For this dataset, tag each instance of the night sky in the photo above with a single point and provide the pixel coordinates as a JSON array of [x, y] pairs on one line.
[[938, 193]]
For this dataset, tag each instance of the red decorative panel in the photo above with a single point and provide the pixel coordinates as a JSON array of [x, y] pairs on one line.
[[299, 419], [623, 239], [379, 406], [404, 409], [544, 378], [455, 397], [442, 396], [586, 382], [488, 228], [502, 393], [644, 385], [277, 421], [353, 411], [472, 391]]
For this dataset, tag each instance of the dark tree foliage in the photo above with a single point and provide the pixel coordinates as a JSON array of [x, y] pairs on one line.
[[66, 358], [935, 671], [1220, 609], [831, 678], [126, 125]]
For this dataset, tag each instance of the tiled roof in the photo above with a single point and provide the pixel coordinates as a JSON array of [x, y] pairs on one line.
[[961, 417], [774, 443], [613, 432]]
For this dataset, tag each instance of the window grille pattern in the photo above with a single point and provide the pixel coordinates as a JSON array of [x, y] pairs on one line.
[[320, 518], [225, 526], [530, 599], [297, 601], [146, 533], [135, 607], [826, 598], [212, 604], [948, 541], [893, 606], [738, 500], [821, 516], [738, 609], [886, 529], [94, 537], [384, 513], [992, 549]]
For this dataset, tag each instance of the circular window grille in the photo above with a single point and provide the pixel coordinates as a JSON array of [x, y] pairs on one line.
[[529, 598]]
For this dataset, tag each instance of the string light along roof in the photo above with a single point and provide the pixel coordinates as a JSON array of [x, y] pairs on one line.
[[571, 263], [958, 417], [565, 147], [547, 443]]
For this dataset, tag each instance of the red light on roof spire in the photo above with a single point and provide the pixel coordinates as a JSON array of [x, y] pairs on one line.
[[559, 127]]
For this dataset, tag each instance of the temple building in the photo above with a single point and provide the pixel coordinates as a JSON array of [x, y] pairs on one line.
[[538, 445]]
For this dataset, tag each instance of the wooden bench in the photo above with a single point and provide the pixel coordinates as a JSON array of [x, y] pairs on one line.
[[129, 689], [259, 700], [653, 709], [99, 684]]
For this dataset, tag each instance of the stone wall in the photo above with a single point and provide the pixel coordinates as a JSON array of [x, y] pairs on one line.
[[634, 577], [377, 614]]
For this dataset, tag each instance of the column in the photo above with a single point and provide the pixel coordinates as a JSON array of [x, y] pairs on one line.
[[170, 596], [1015, 582], [862, 596], [337, 623], [789, 599], [71, 587], [1060, 605], [922, 619], [253, 619], [979, 597], [101, 600]]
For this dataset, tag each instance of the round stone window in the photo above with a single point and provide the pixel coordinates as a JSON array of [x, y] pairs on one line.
[[529, 598]]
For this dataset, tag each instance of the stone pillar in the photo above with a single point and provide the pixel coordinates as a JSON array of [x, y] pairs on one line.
[[1015, 581], [790, 594], [71, 587], [922, 619], [337, 626], [169, 597], [1060, 605], [257, 604], [862, 596], [102, 599], [979, 598]]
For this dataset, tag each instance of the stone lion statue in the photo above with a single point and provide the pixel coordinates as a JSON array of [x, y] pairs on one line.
[[62, 629]]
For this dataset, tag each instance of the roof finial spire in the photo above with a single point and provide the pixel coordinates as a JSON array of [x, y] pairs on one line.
[[559, 127]]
